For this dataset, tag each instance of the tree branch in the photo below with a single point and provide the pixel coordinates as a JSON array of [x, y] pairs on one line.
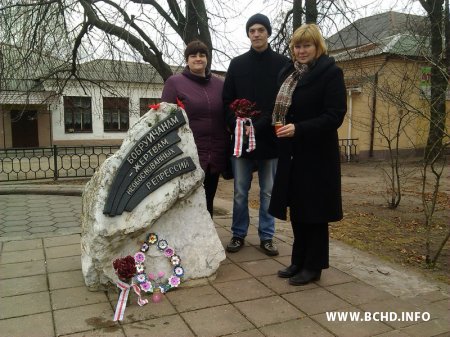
[[178, 26], [148, 55]]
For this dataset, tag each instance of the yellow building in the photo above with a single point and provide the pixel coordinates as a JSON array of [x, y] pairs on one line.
[[384, 59]]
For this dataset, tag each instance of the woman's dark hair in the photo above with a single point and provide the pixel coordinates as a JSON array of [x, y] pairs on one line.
[[195, 47]]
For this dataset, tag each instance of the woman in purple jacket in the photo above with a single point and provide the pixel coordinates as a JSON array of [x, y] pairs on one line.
[[201, 94]]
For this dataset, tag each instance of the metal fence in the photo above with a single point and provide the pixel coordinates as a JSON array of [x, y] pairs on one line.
[[347, 147], [52, 162], [82, 161]]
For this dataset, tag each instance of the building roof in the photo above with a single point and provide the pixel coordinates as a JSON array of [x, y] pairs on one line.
[[124, 71], [405, 45], [119, 71], [375, 28]]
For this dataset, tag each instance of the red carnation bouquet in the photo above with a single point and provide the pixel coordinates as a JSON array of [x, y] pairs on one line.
[[244, 108], [125, 267], [244, 132]]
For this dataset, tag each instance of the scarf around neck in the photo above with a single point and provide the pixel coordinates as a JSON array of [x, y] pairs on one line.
[[284, 96]]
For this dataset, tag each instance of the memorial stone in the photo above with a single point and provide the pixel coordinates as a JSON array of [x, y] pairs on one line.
[[152, 184]]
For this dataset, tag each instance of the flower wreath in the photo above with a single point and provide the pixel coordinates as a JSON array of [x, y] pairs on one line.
[[144, 280], [135, 268]]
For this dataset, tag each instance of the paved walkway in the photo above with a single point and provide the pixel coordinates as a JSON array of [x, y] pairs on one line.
[[43, 293]]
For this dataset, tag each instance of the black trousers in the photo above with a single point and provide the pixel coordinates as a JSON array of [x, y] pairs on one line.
[[210, 184], [311, 246]]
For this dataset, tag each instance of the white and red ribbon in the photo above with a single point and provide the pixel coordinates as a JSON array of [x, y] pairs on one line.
[[239, 133], [141, 301], [123, 298]]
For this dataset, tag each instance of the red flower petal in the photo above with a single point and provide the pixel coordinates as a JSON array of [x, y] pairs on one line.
[[180, 103], [154, 106]]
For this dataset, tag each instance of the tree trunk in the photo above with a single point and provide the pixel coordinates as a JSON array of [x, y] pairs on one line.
[[439, 76], [311, 11], [297, 12]]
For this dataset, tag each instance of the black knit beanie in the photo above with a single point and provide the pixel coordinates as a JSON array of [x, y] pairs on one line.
[[262, 20]]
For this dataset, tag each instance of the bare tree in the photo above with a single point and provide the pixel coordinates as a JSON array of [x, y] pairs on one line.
[[434, 162], [438, 15], [143, 30], [327, 14]]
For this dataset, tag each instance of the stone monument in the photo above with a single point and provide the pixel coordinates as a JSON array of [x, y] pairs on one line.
[[152, 184]]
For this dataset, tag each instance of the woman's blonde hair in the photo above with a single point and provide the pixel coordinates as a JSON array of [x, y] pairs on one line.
[[308, 33]]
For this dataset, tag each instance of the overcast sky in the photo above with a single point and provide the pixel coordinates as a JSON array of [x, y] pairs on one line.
[[236, 26]]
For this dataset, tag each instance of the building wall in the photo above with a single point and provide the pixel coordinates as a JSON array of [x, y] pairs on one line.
[[5, 128], [398, 99], [43, 118], [44, 127], [134, 91]]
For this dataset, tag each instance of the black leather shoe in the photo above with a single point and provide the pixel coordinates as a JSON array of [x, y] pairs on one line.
[[289, 271], [305, 276]]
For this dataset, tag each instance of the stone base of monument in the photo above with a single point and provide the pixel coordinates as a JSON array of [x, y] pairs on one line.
[[125, 201]]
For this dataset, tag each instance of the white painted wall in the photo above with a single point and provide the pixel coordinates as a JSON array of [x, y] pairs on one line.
[[134, 91]]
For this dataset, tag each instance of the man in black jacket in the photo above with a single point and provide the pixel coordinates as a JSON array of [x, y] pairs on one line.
[[253, 76]]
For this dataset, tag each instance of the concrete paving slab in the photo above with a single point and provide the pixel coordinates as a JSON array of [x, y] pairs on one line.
[[8, 228], [284, 260], [12, 223], [37, 325], [315, 301], [216, 321], [261, 267], [189, 299], [15, 209], [332, 276], [269, 310], [65, 279], [248, 333], [66, 222], [434, 327], [41, 229], [230, 272], [75, 297], [23, 305], [394, 305], [284, 249], [63, 264], [63, 251], [295, 328], [88, 317], [439, 309], [22, 256], [67, 231], [42, 221], [394, 333], [61, 214], [281, 285], [170, 326], [113, 331], [22, 269], [237, 302], [247, 253], [253, 239], [348, 328], [249, 289], [358, 292], [23, 285], [13, 216]]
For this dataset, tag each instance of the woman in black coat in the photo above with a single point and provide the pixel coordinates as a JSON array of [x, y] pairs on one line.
[[311, 104]]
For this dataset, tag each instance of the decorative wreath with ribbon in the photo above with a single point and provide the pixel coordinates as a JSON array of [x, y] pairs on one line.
[[148, 282]]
